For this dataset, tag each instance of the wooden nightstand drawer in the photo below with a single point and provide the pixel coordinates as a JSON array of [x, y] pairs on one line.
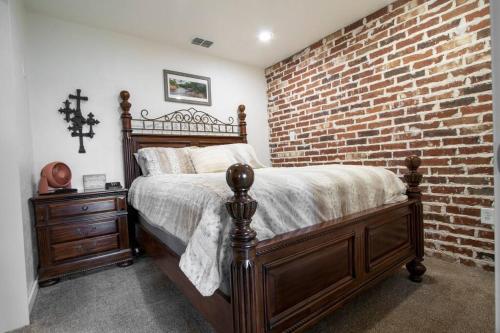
[[67, 233], [83, 207], [84, 247]]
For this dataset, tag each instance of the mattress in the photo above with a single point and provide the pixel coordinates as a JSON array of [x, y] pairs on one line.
[[189, 209]]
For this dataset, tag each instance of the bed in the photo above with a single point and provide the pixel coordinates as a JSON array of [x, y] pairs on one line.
[[289, 280]]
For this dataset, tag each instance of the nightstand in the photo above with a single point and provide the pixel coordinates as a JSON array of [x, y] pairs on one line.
[[80, 231]]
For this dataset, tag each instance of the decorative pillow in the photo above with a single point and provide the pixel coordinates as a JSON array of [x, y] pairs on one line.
[[219, 158], [159, 160]]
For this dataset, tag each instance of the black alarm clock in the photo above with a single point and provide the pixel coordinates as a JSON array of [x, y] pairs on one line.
[[113, 186]]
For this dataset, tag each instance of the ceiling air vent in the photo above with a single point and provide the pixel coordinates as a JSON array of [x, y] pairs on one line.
[[201, 42]]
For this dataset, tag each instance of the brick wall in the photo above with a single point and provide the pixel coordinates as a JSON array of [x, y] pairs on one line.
[[411, 78]]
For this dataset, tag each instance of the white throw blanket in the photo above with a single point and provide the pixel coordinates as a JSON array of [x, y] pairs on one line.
[[191, 207]]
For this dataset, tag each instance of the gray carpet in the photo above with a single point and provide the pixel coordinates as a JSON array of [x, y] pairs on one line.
[[452, 298]]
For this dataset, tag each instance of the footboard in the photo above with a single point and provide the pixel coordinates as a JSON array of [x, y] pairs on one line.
[[291, 281], [306, 274]]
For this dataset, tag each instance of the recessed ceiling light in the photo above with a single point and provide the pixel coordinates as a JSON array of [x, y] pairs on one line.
[[265, 36]]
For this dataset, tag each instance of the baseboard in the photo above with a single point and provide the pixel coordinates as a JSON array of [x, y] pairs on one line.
[[32, 295]]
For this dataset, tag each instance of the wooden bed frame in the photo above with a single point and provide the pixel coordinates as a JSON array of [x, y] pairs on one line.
[[289, 282]]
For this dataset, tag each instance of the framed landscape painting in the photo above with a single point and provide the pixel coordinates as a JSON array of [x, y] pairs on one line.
[[187, 88]]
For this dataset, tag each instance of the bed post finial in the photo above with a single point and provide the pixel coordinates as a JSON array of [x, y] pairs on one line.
[[126, 117], [241, 208], [413, 178], [242, 123]]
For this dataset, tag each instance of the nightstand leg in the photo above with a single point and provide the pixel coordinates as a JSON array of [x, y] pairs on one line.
[[48, 283], [125, 263]]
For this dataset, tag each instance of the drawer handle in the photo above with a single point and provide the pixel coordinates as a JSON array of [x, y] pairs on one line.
[[79, 231], [85, 208]]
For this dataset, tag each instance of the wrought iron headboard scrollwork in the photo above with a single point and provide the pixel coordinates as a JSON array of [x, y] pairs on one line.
[[184, 122]]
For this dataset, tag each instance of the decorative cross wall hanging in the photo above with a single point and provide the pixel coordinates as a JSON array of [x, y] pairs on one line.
[[77, 120]]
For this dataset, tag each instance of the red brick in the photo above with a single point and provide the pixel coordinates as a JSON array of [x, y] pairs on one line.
[[417, 56], [469, 6], [477, 243], [424, 25]]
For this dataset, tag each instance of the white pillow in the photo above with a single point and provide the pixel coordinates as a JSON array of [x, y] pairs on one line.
[[160, 160], [219, 158]]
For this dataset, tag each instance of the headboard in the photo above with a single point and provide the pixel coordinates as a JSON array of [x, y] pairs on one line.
[[180, 128]]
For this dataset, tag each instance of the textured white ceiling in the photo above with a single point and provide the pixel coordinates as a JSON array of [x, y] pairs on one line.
[[232, 25]]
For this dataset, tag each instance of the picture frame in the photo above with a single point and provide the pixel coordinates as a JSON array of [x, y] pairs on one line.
[[94, 182], [187, 88]]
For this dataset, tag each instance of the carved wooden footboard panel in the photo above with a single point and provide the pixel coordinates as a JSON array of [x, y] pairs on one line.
[[304, 277]]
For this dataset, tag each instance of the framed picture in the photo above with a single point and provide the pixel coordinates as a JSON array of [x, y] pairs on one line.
[[187, 88], [94, 182]]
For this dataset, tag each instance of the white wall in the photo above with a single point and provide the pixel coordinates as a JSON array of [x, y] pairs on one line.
[[63, 56], [15, 172], [24, 140]]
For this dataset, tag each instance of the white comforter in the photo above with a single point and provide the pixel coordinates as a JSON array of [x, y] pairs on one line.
[[191, 207]]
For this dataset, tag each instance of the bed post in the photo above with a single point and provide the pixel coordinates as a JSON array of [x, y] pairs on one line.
[[242, 123], [128, 162], [413, 179], [241, 207], [126, 139]]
